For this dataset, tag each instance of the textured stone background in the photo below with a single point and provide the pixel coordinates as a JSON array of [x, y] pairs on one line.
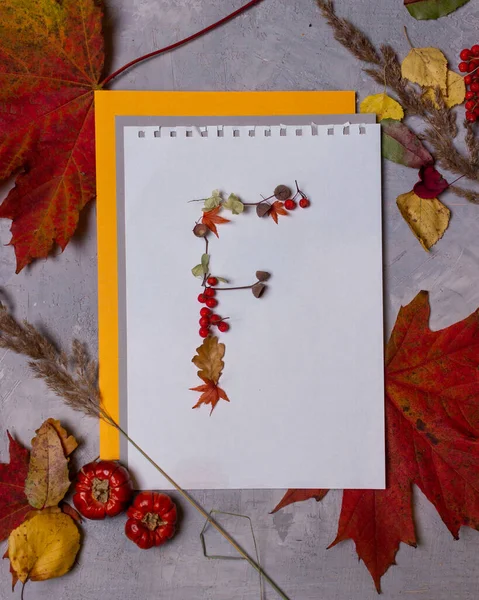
[[280, 45]]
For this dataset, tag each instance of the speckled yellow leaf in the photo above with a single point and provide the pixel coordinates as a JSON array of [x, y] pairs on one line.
[[427, 67], [428, 219], [43, 547], [48, 480], [382, 105], [456, 91], [209, 359]]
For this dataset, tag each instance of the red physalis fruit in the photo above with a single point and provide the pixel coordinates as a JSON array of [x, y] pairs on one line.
[[205, 312], [204, 322], [304, 203], [290, 204], [210, 292], [211, 302], [103, 489], [151, 520], [223, 326], [212, 281], [215, 319], [204, 332], [202, 298]]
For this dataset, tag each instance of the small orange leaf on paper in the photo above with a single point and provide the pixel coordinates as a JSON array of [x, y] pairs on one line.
[[292, 496], [209, 359], [210, 394], [43, 547], [48, 479], [277, 208], [211, 219]]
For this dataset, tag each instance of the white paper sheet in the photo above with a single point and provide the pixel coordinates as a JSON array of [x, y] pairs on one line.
[[304, 364]]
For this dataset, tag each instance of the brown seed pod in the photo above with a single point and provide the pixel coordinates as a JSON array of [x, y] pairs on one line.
[[282, 192], [200, 230], [262, 275], [263, 209], [258, 289]]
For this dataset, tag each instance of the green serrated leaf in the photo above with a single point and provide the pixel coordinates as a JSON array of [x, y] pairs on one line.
[[432, 9], [234, 204], [198, 271]]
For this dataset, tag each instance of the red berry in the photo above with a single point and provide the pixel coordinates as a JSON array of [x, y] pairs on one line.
[[464, 67], [205, 312], [304, 203], [211, 303], [204, 322], [470, 66], [215, 319], [471, 117], [468, 80], [470, 95], [223, 326], [475, 50], [465, 54], [210, 292], [212, 281], [474, 64], [475, 86], [290, 204], [202, 298], [470, 104], [204, 332]]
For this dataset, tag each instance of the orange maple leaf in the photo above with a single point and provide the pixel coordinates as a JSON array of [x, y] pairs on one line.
[[211, 394], [277, 209], [51, 60], [211, 219]]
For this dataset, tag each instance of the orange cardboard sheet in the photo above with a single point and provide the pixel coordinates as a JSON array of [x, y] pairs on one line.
[[112, 104]]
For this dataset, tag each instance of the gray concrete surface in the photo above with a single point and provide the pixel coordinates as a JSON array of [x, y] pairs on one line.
[[279, 45]]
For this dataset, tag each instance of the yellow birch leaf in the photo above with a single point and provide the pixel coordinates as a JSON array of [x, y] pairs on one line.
[[428, 219], [209, 359], [383, 106], [48, 479], [427, 67], [456, 91], [43, 547]]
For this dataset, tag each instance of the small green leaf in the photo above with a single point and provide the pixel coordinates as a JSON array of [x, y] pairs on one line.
[[234, 204], [205, 263], [213, 201], [401, 145], [198, 271], [222, 279]]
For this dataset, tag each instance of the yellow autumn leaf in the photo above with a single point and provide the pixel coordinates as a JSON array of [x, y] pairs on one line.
[[427, 67], [383, 106], [456, 91], [43, 547], [428, 219], [209, 359]]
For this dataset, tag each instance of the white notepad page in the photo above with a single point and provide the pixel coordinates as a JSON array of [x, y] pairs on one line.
[[303, 364]]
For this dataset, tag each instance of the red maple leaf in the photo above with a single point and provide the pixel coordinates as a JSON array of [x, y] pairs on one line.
[[211, 394], [432, 429], [13, 502], [51, 58], [211, 219], [277, 208]]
